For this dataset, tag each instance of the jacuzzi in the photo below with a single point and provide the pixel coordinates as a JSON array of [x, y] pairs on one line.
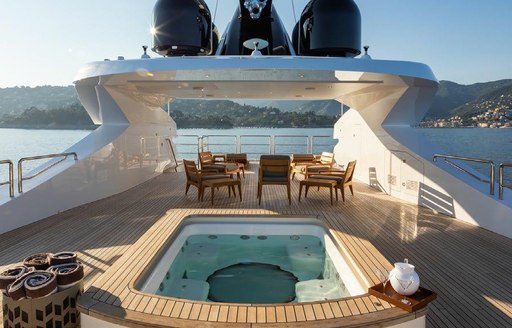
[[253, 260], [178, 278]]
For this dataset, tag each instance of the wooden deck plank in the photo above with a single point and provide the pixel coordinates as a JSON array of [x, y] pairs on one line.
[[242, 314], [185, 311], [290, 314], [232, 314], [195, 312], [223, 314], [374, 228], [280, 314]]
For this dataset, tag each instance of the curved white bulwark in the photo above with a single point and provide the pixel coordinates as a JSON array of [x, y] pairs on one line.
[[386, 99]]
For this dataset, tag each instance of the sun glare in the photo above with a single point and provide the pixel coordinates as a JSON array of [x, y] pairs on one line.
[[152, 30]]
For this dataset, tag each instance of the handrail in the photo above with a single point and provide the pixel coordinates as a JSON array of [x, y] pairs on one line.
[[11, 177], [32, 158], [173, 153], [492, 167], [501, 178], [283, 136], [251, 144]]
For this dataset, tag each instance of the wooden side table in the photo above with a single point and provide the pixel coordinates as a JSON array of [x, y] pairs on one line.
[[232, 168], [331, 184], [216, 183]]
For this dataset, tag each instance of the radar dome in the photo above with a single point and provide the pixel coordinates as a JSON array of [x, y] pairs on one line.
[[328, 28], [183, 27]]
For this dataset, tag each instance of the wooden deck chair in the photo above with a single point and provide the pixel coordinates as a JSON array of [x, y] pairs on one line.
[[343, 178], [274, 170], [207, 161], [324, 163], [196, 177]]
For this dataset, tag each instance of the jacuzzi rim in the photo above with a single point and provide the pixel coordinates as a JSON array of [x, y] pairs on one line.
[[247, 218], [226, 218]]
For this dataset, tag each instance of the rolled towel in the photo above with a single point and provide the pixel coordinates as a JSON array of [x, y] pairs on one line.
[[62, 258], [16, 290], [9, 276], [40, 284], [67, 274], [38, 261]]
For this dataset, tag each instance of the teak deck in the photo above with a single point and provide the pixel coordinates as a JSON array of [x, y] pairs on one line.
[[470, 268]]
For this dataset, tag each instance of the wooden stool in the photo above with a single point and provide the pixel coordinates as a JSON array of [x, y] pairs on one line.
[[230, 183], [331, 184]]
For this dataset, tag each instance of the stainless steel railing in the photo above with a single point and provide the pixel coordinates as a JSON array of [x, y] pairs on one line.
[[11, 176], [253, 145], [492, 168], [33, 158], [501, 178], [173, 153], [297, 144]]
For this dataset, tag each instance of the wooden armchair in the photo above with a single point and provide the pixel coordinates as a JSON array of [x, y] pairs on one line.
[[196, 177], [324, 163], [300, 161], [274, 170], [343, 178], [209, 162]]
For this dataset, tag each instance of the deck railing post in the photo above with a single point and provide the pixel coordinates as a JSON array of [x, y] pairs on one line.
[[11, 179], [500, 181], [11, 176], [492, 177], [20, 176], [501, 178]]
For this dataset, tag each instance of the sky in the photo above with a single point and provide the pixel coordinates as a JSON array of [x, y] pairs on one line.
[[45, 42]]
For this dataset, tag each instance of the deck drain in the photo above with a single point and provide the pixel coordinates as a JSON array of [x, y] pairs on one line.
[[294, 237], [244, 237], [262, 237], [212, 237]]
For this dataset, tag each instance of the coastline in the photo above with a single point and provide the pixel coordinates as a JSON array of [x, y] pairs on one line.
[[48, 127]]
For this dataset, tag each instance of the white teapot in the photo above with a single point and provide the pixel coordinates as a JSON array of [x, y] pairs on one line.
[[404, 279]]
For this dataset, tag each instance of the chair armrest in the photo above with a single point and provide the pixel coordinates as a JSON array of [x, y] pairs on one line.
[[207, 172], [331, 172]]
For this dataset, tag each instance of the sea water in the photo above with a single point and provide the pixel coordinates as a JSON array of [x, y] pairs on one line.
[[493, 144]]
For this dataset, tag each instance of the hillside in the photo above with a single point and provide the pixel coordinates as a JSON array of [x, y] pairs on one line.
[[452, 99], [226, 114], [15, 100], [500, 98], [320, 107]]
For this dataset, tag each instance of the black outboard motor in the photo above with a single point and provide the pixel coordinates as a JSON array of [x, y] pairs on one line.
[[328, 28], [255, 19], [183, 27]]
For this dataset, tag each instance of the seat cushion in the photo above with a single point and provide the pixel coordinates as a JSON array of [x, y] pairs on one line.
[[216, 167], [275, 179], [337, 178], [317, 168], [216, 176]]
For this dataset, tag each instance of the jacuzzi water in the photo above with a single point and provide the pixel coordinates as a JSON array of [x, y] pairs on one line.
[[262, 263]]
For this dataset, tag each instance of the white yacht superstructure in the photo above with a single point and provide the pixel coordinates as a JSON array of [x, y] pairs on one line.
[[386, 99]]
